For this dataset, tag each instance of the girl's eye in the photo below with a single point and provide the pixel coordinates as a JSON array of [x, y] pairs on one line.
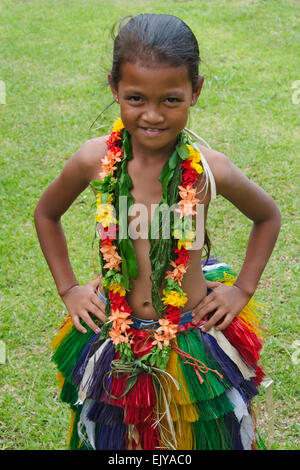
[[134, 99], [172, 100]]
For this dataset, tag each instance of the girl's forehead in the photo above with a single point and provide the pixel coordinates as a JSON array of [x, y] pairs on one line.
[[155, 75]]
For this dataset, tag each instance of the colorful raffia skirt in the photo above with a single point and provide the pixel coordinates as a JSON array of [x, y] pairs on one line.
[[201, 401]]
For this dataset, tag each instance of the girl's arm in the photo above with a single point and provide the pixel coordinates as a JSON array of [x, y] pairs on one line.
[[259, 207], [60, 194]]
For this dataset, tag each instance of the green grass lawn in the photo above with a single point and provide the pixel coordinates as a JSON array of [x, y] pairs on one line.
[[55, 56]]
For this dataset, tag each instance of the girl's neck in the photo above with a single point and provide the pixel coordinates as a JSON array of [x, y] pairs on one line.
[[148, 155]]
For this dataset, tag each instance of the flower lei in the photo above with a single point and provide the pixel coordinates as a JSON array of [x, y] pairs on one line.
[[151, 347]]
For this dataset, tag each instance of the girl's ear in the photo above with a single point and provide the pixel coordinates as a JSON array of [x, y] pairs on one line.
[[197, 92], [112, 87]]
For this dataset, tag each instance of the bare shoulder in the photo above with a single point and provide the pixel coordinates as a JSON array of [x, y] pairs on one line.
[[219, 164], [90, 155]]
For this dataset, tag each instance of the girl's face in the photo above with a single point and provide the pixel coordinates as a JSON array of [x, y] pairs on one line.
[[154, 102]]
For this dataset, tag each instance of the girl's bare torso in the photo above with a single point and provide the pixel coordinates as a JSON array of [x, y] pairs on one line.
[[147, 190]]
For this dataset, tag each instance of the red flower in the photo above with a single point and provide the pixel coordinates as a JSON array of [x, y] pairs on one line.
[[114, 139], [107, 242], [189, 174], [186, 165], [141, 342], [173, 314], [107, 232], [116, 300], [183, 256], [189, 178]]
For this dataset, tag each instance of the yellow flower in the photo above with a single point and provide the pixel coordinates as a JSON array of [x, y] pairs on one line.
[[105, 215], [99, 202], [174, 298], [118, 125], [194, 155], [197, 167], [196, 158], [185, 244], [117, 288]]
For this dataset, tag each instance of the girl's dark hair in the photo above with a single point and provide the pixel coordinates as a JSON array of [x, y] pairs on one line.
[[155, 38]]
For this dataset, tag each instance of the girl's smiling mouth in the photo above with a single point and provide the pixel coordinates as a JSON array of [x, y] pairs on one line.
[[152, 131]]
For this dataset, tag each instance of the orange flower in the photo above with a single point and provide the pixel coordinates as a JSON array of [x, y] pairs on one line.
[[107, 167], [158, 340], [188, 201], [164, 333], [121, 323], [118, 315], [186, 208], [167, 328], [188, 193], [117, 337], [177, 273], [112, 257], [113, 263]]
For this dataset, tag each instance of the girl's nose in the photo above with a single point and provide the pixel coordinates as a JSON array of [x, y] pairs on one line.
[[152, 115]]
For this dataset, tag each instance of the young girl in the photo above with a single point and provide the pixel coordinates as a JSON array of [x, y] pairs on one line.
[[162, 351]]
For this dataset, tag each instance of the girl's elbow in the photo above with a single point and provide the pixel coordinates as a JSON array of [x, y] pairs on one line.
[[278, 215], [276, 219]]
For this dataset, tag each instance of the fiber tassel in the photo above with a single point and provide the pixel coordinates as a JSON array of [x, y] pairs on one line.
[[213, 384], [83, 359], [259, 375], [106, 414], [244, 340], [221, 272], [133, 438], [214, 409], [67, 353], [248, 390], [136, 415], [181, 395], [60, 379], [99, 379], [115, 391], [188, 413], [69, 393], [89, 371], [233, 427], [228, 367], [149, 435], [212, 260], [185, 435], [73, 417], [232, 352], [74, 442], [217, 434], [142, 393], [64, 330], [111, 437], [86, 428]]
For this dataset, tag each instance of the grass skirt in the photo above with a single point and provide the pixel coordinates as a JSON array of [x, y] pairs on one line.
[[201, 401]]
